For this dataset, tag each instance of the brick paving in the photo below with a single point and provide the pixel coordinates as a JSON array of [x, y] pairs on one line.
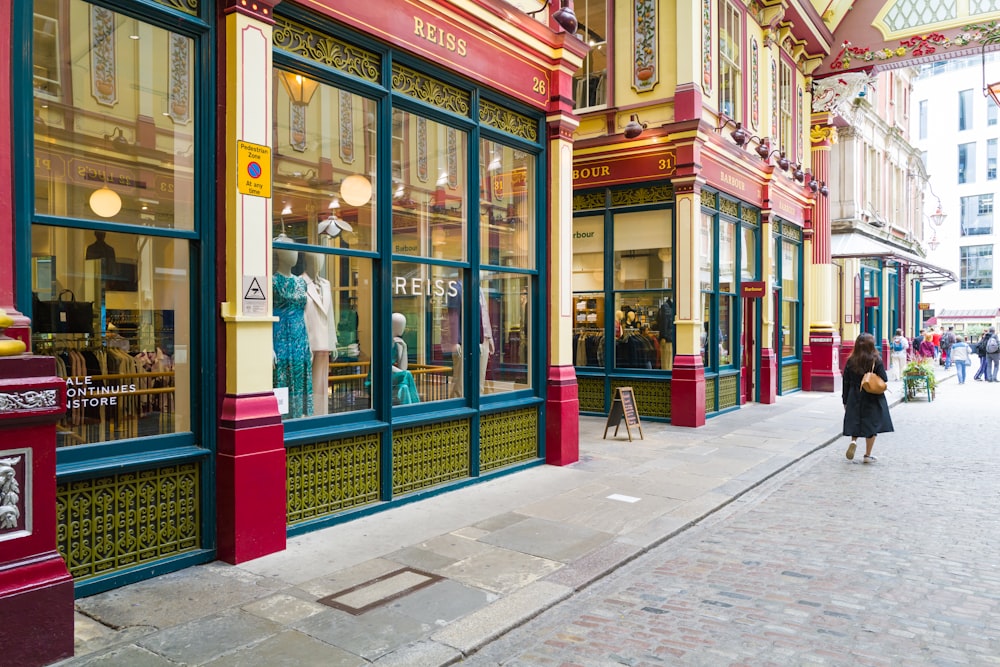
[[828, 563]]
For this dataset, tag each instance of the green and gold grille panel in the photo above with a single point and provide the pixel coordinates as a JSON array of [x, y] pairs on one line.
[[186, 6], [652, 398], [427, 89], [710, 395], [328, 477], [590, 392], [790, 377], [429, 455], [121, 521], [505, 120], [508, 437], [587, 201], [303, 41], [644, 194], [729, 391]]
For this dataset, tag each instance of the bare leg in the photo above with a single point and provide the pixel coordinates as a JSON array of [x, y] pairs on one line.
[[869, 443]]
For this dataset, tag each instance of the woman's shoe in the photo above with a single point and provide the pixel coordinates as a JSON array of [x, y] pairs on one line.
[[851, 448], [869, 459]]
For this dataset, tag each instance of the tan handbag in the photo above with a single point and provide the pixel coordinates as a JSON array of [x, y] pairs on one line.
[[871, 383]]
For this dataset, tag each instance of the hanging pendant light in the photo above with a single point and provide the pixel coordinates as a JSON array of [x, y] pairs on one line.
[[105, 202]]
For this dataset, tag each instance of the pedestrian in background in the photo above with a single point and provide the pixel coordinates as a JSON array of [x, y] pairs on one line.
[[961, 354], [865, 415], [897, 355], [926, 349], [947, 340], [992, 355], [936, 339], [983, 361], [915, 343]]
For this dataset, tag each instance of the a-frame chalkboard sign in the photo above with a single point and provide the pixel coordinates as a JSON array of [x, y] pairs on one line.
[[623, 407]]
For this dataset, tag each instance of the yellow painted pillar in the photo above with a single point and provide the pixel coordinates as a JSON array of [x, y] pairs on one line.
[[687, 384], [251, 456]]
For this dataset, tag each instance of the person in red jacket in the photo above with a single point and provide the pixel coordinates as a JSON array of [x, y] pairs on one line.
[[936, 339]]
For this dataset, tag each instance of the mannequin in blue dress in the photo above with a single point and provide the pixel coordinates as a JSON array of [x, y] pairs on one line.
[[292, 355]]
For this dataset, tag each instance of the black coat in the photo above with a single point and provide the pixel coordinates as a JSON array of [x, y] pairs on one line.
[[865, 414]]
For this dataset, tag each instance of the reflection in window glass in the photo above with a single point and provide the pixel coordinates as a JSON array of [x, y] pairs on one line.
[[324, 164], [588, 253], [430, 186], [748, 254], [427, 349], [706, 330], [727, 329], [706, 253], [727, 256], [507, 206], [113, 310], [114, 120], [643, 250], [789, 332], [322, 337], [508, 309]]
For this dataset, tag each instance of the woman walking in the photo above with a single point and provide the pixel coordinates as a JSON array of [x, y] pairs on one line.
[[961, 355], [865, 415]]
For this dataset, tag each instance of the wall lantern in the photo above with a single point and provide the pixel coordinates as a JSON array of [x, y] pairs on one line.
[[634, 128], [563, 16], [299, 88], [739, 135]]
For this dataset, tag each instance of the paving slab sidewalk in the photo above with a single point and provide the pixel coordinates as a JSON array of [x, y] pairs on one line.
[[427, 583]]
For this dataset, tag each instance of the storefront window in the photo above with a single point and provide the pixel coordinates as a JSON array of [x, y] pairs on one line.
[[324, 164], [507, 301], [323, 335], [706, 253], [588, 291], [789, 297], [113, 310], [748, 254], [114, 120], [430, 190], [507, 206], [427, 348]]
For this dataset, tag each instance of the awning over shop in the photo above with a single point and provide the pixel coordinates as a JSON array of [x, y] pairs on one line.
[[860, 246]]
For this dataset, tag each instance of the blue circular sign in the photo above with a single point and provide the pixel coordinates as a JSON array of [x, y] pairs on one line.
[[254, 170]]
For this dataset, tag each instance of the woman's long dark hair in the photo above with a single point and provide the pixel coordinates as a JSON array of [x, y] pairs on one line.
[[864, 354]]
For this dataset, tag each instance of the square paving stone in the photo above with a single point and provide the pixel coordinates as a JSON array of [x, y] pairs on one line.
[[370, 635], [501, 570], [131, 655], [290, 649], [204, 639], [442, 603], [548, 539]]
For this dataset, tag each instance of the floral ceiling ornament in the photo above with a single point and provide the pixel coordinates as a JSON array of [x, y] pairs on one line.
[[919, 45]]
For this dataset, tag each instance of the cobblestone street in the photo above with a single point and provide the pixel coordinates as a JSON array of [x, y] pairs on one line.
[[829, 563]]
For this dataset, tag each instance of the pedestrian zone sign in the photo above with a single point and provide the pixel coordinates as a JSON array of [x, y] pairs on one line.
[[254, 169]]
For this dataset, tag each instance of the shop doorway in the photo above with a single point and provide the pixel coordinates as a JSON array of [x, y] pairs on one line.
[[748, 365]]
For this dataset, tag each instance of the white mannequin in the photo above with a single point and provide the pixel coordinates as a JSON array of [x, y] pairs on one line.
[[322, 334], [399, 349], [284, 260], [486, 345]]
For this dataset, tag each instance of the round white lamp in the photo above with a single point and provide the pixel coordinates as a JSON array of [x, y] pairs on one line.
[[356, 190], [105, 202]]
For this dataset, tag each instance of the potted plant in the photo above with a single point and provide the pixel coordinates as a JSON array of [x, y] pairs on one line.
[[920, 367]]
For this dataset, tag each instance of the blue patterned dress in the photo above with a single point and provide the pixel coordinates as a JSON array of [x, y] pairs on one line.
[[293, 366]]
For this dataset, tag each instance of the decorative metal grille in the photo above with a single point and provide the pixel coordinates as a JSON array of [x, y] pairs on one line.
[[790, 231], [645, 194], [508, 121], [652, 398], [301, 40], [708, 199], [428, 455], [729, 394], [750, 215], [186, 6], [508, 437], [871, 264], [905, 14], [710, 395], [790, 377], [590, 391], [426, 89], [729, 207], [332, 476], [588, 200], [121, 521]]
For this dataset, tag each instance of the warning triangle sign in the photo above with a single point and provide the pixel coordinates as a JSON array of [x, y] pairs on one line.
[[254, 292]]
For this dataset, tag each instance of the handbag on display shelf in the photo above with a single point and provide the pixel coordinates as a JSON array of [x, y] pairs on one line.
[[871, 383], [62, 315]]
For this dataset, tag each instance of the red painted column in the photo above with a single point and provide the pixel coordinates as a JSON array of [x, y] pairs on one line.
[[562, 404], [250, 460], [36, 590], [768, 375], [822, 373], [687, 391]]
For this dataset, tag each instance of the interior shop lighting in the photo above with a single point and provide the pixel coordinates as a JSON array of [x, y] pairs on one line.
[[356, 190]]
